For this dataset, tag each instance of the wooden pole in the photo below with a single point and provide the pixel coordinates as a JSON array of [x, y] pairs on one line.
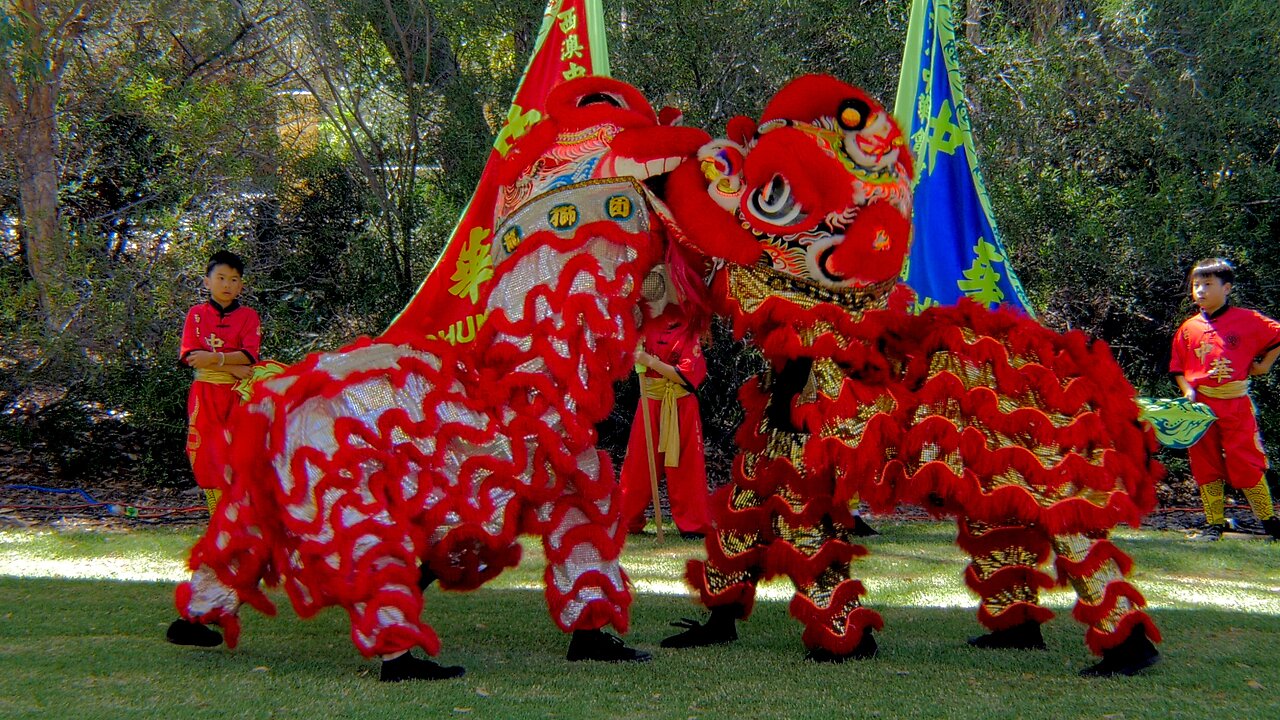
[[648, 441]]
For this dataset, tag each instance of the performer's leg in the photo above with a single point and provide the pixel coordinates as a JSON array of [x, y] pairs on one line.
[[1246, 462], [828, 601], [836, 625], [1210, 472], [687, 482], [586, 588], [1213, 496], [1006, 576], [726, 581], [1119, 630]]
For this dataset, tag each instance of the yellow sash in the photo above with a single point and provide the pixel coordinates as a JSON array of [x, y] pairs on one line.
[[217, 377], [1226, 391], [669, 418]]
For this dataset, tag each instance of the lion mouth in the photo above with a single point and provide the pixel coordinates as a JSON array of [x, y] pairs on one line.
[[643, 170]]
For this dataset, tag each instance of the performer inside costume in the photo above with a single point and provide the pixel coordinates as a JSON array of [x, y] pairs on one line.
[[1215, 352], [674, 367]]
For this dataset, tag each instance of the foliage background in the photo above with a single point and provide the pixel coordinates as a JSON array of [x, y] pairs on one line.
[[1121, 140]]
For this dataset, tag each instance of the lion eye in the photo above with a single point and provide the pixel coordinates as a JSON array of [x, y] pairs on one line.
[[853, 115], [774, 203]]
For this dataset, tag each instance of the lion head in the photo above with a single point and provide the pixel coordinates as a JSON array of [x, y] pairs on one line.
[[818, 189]]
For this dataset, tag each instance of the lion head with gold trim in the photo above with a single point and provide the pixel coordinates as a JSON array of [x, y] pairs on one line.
[[818, 190]]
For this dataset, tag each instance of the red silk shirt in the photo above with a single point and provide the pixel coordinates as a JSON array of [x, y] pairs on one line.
[[1218, 349], [215, 329]]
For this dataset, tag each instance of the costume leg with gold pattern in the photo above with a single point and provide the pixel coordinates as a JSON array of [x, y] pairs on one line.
[[1030, 438], [1005, 573], [777, 518]]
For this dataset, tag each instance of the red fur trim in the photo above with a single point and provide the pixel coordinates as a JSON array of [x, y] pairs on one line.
[[712, 231], [398, 638], [1100, 553], [230, 630], [874, 246], [649, 143], [819, 183], [1093, 614], [1098, 641], [1006, 578], [819, 622], [1014, 615], [809, 97], [782, 557], [1003, 538], [740, 129], [742, 594]]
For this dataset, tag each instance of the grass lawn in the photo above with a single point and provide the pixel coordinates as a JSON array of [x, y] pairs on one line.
[[82, 618]]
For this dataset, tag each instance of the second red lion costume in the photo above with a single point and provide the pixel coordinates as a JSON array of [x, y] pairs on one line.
[[1028, 437]]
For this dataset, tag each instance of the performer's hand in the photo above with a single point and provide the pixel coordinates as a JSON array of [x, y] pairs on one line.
[[239, 372], [201, 359], [1190, 394]]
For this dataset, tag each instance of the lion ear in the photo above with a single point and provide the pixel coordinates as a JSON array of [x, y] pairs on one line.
[[740, 129]]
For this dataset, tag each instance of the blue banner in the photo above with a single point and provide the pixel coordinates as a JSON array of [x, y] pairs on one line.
[[957, 251]]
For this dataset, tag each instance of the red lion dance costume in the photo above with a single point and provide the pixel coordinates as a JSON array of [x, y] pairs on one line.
[[361, 475], [1028, 437]]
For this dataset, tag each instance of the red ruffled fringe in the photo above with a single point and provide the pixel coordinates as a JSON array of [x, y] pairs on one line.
[[819, 622], [1015, 614], [262, 540], [1098, 641], [742, 594]]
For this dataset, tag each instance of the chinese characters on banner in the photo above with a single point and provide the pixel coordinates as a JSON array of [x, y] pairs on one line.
[[957, 251], [570, 44]]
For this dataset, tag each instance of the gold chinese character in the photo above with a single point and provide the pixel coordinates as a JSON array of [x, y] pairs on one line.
[[474, 265], [619, 206], [1204, 348], [568, 20], [571, 48], [214, 341], [982, 280], [511, 239], [575, 71], [563, 217], [1220, 369]]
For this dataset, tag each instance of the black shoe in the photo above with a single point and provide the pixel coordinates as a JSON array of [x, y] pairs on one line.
[[1026, 636], [1127, 658], [408, 667], [1208, 533], [861, 528], [692, 535], [1272, 527], [720, 628], [185, 632], [603, 647], [867, 649], [425, 577]]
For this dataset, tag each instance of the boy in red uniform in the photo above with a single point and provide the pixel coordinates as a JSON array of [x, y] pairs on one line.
[[1214, 353], [220, 340], [674, 368]]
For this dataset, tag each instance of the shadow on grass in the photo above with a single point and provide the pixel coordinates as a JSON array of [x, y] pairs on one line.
[[73, 648]]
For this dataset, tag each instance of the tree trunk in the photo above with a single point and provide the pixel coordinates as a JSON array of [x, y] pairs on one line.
[[973, 12], [36, 153]]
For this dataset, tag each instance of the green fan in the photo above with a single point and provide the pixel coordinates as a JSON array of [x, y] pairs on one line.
[[1178, 422]]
